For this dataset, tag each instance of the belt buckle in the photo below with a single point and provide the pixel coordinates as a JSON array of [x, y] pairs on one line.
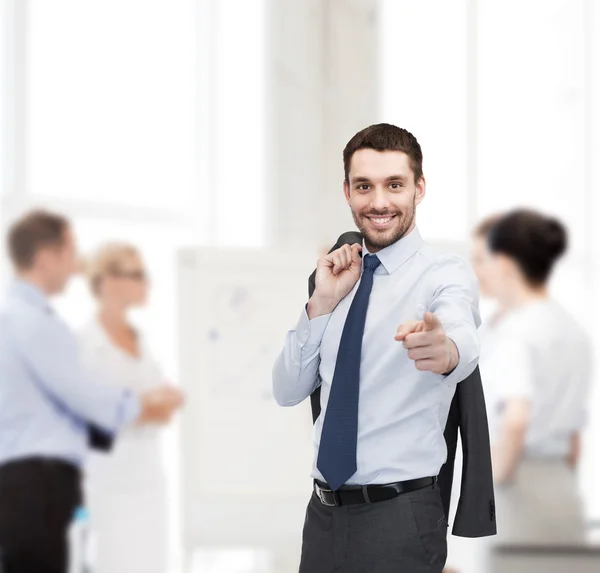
[[320, 491]]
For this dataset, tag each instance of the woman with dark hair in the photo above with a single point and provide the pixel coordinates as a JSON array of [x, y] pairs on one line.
[[536, 366], [536, 369], [539, 356]]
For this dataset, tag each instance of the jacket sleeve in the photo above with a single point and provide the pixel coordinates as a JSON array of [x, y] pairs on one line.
[[446, 475], [476, 512]]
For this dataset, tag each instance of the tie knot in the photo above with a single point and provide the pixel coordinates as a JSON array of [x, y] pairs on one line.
[[372, 262]]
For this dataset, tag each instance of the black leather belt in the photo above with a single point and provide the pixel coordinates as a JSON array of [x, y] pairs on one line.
[[351, 495]]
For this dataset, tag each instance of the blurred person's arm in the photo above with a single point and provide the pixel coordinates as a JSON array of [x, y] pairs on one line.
[[574, 454], [175, 395], [514, 386], [508, 450], [581, 411], [51, 352]]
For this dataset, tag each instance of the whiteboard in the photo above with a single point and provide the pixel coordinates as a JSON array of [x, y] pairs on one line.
[[239, 448]]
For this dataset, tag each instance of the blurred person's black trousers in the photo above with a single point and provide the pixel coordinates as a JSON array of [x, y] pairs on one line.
[[37, 501]]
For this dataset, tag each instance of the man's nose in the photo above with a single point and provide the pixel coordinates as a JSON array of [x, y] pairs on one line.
[[381, 199]]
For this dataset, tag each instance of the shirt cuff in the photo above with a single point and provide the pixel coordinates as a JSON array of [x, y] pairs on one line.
[[467, 346], [310, 332], [129, 409]]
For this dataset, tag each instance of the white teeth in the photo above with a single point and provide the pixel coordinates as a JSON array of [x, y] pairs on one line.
[[382, 221]]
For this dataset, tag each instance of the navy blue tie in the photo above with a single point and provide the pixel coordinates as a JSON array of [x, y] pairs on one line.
[[337, 451]]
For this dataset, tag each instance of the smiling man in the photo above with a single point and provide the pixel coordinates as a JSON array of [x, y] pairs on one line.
[[387, 337]]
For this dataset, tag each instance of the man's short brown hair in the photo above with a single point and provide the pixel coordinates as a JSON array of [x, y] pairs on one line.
[[386, 137], [34, 231]]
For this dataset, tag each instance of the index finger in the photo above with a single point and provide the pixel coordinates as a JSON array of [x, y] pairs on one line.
[[406, 328], [417, 339]]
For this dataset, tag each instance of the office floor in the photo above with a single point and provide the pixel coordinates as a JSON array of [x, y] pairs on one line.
[[281, 559], [244, 560]]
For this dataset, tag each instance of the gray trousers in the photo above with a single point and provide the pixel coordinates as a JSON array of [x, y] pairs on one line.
[[406, 534]]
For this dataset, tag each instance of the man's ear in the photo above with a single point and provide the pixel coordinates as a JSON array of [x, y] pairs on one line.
[[347, 191], [421, 190], [41, 260]]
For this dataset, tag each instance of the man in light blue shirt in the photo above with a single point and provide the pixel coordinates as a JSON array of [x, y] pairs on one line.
[[387, 338], [48, 402]]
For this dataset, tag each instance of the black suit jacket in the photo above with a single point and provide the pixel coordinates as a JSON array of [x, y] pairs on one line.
[[476, 513]]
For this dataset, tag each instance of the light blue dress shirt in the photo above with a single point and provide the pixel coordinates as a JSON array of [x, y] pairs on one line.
[[402, 411], [47, 398]]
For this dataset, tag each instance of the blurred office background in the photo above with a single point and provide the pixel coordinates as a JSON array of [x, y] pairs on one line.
[[220, 123]]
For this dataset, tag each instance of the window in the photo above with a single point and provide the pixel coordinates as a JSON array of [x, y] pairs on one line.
[[531, 109], [111, 92], [239, 105], [3, 93]]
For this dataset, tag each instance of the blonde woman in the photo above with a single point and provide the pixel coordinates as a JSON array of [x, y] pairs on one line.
[[125, 489]]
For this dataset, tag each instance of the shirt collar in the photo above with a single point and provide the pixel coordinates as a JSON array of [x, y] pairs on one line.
[[31, 293], [394, 256]]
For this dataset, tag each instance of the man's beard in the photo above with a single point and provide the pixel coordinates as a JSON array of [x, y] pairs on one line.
[[376, 240]]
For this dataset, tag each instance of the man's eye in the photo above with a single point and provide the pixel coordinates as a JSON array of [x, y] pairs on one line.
[[395, 185], [363, 187]]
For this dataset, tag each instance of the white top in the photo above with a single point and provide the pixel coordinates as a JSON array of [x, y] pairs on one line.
[[402, 411], [541, 353], [136, 458]]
